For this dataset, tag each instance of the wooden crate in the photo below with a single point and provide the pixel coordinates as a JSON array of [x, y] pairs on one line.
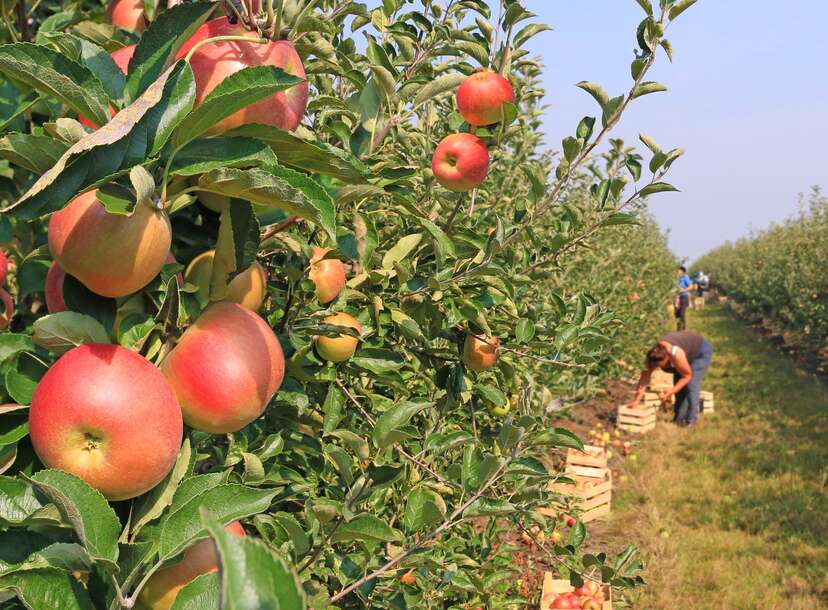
[[593, 497], [660, 380], [698, 302], [552, 587], [708, 404], [592, 462], [638, 420]]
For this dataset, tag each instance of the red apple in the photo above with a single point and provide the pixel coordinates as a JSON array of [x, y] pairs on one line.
[[408, 578], [111, 254], [461, 162], [225, 369], [6, 309], [121, 58], [213, 62], [327, 274], [481, 97], [201, 558], [107, 415], [127, 14], [590, 603], [341, 348], [54, 289], [570, 521], [480, 354], [4, 266], [564, 602], [248, 288]]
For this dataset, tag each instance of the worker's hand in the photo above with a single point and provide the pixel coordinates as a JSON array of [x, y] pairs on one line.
[[633, 404], [664, 396]]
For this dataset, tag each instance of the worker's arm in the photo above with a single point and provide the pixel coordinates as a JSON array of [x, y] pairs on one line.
[[643, 382], [682, 366]]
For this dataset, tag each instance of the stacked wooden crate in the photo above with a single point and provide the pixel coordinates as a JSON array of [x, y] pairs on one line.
[[553, 587], [637, 419], [660, 381], [707, 404], [591, 487]]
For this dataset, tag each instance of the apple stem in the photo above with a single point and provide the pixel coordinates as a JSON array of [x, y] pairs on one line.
[[277, 26]]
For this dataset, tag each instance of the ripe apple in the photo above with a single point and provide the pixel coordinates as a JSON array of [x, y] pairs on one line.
[[54, 289], [565, 602], [225, 369], [341, 348], [590, 603], [408, 578], [7, 309], [327, 274], [461, 162], [201, 558], [111, 254], [570, 521], [107, 415], [127, 14], [480, 354], [481, 96], [213, 62], [248, 288], [590, 588], [121, 58], [556, 537], [4, 266]]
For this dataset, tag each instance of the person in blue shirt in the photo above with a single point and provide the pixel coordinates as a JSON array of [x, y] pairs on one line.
[[682, 298]]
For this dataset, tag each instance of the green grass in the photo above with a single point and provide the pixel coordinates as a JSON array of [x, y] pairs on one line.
[[734, 513]]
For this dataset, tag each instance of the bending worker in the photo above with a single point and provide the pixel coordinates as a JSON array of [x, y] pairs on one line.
[[687, 356]]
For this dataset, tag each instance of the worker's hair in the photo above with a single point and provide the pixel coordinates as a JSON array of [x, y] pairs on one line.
[[656, 355], [683, 268]]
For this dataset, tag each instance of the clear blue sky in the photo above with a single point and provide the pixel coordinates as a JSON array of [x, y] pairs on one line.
[[748, 99]]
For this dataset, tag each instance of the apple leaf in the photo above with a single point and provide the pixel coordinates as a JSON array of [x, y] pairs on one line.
[[235, 92], [47, 71], [60, 332], [253, 576], [236, 247], [151, 505], [202, 592], [47, 588], [34, 153], [384, 433], [86, 510], [205, 154], [17, 501], [366, 528], [227, 502], [278, 187]]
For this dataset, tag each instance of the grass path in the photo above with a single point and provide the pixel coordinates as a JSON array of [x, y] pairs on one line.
[[733, 514]]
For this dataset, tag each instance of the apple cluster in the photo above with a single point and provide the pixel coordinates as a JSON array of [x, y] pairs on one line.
[[589, 596], [461, 160]]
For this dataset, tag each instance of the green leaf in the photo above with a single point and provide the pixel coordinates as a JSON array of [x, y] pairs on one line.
[[300, 540], [227, 502], [646, 5], [333, 408], [571, 147], [596, 91], [205, 154], [621, 218], [401, 250], [656, 187], [386, 430], [49, 72], [679, 7], [17, 501], [236, 247], [492, 394], [12, 429], [34, 153], [378, 360], [433, 88], [528, 32], [442, 442], [366, 528], [253, 577], [488, 507], [95, 523], [161, 41], [443, 243], [60, 332], [668, 48], [235, 92], [94, 57], [648, 87], [278, 187], [133, 134], [47, 588], [649, 143], [310, 156], [525, 330], [202, 593], [151, 505], [423, 508]]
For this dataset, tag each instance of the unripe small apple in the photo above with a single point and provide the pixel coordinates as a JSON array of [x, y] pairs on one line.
[[556, 537], [499, 411], [201, 558], [481, 96], [127, 14], [461, 162], [54, 289], [327, 274], [480, 354], [6, 309], [248, 288], [111, 254], [341, 348]]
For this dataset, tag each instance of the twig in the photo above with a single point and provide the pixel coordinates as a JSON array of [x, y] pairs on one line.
[[279, 228]]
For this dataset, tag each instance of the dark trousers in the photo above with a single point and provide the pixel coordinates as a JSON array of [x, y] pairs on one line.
[[688, 400], [681, 311]]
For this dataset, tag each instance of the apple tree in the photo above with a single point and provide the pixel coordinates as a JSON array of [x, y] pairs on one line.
[[332, 232]]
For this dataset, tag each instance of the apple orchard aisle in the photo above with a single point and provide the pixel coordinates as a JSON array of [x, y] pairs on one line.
[[733, 514]]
